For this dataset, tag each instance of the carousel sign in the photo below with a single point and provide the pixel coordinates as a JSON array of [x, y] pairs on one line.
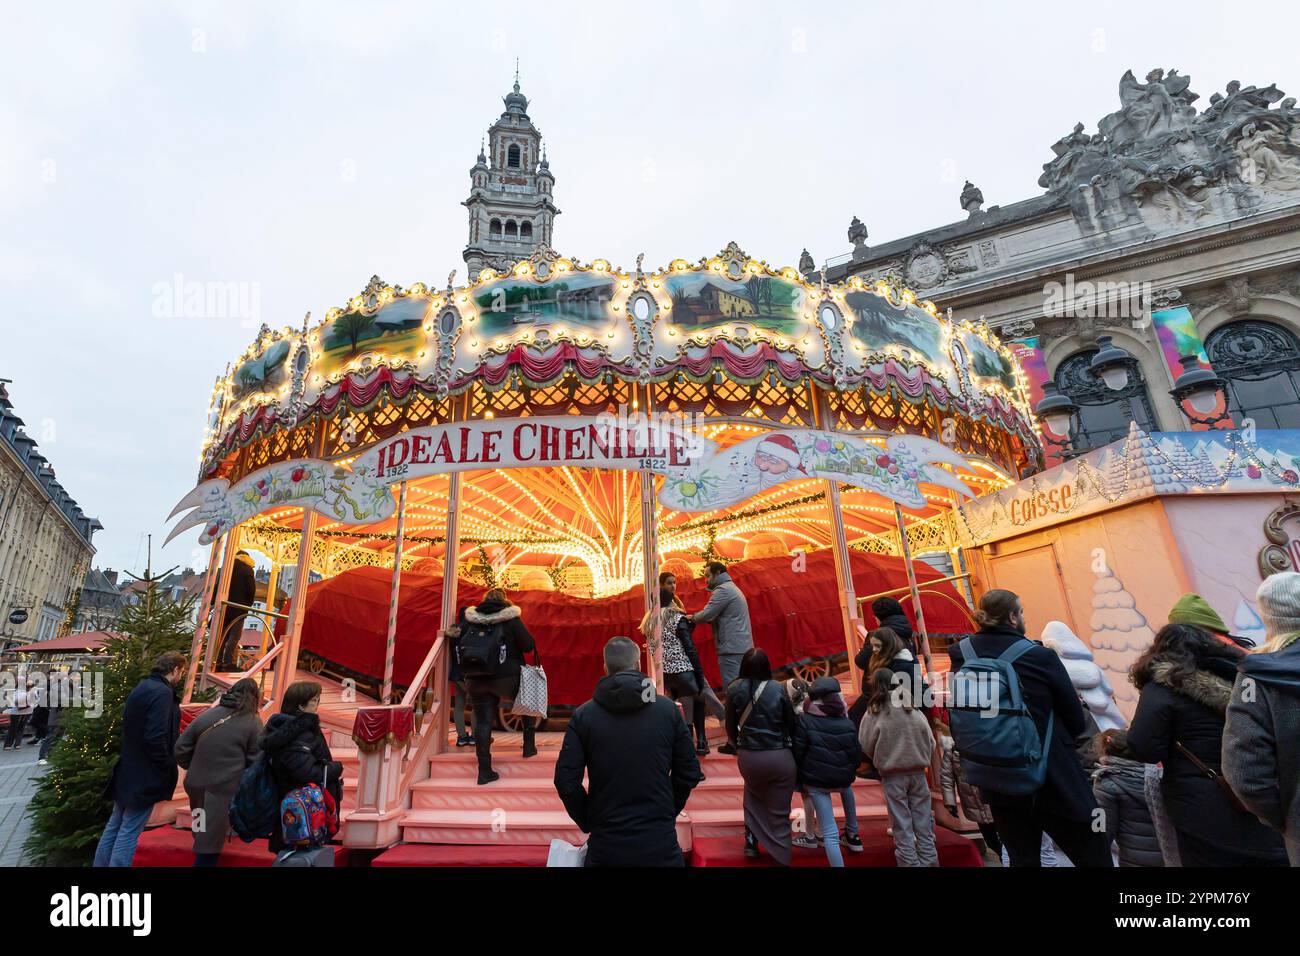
[[699, 474]]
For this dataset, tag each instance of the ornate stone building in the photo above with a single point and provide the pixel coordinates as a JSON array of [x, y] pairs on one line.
[[45, 538], [1166, 205], [511, 211]]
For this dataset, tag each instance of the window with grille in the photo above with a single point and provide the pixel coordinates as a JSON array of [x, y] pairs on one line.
[[1260, 363], [1103, 415]]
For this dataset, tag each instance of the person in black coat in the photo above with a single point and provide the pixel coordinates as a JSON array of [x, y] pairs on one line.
[[1119, 783], [145, 772], [889, 613], [297, 750], [243, 591], [636, 751], [1185, 680], [487, 691], [1064, 806], [826, 751]]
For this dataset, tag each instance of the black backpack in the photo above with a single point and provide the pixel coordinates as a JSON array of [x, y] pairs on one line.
[[482, 649]]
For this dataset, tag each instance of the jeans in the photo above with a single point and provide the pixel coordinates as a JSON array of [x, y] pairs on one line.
[[206, 859], [17, 724], [485, 694], [458, 696], [907, 796], [52, 734], [1022, 835], [117, 845], [818, 806]]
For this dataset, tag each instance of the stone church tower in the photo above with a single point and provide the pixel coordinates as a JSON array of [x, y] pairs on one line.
[[511, 211]]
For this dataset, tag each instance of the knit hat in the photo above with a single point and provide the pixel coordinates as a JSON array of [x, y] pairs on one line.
[[823, 686], [1279, 603], [1194, 609]]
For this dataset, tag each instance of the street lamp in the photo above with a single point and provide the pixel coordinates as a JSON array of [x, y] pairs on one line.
[[1056, 413], [1199, 391], [1112, 365]]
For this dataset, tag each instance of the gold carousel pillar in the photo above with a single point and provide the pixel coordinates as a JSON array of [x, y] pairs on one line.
[[906, 547], [287, 666], [390, 645], [272, 584], [201, 627], [650, 557], [839, 547], [213, 634], [450, 581]]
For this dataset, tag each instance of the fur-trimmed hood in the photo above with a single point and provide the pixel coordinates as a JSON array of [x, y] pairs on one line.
[[491, 613], [1202, 686]]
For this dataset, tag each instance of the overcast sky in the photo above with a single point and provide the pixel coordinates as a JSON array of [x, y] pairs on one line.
[[301, 147]]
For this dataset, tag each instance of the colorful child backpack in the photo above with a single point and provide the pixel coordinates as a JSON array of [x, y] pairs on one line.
[[305, 817]]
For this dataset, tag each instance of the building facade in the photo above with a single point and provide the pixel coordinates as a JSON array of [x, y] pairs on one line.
[[1172, 229], [45, 539], [100, 604], [511, 209]]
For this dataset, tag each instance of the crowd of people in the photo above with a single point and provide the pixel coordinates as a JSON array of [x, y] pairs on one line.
[[35, 706], [1205, 774]]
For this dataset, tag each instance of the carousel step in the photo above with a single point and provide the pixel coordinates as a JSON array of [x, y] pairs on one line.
[[462, 764], [488, 827], [463, 793], [721, 822]]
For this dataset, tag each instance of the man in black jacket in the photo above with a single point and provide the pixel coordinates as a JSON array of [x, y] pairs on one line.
[[1064, 807], [636, 751], [145, 772]]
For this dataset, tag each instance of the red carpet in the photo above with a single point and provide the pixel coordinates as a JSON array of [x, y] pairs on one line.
[[431, 854], [168, 846], [877, 850]]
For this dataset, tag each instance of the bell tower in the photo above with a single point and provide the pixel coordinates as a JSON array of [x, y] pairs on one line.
[[511, 210]]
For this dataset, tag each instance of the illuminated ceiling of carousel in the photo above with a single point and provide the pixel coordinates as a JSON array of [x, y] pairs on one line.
[[579, 529]]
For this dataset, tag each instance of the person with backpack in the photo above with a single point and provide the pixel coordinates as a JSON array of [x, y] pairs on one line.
[[145, 772], [826, 752], [896, 738], [635, 751], [760, 728], [1261, 739], [214, 750], [1185, 684], [493, 642], [456, 683], [298, 753], [1119, 783], [1015, 717]]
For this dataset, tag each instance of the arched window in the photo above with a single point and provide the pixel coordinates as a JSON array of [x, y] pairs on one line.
[[1260, 361], [1102, 417], [512, 231], [526, 230], [494, 229], [512, 157]]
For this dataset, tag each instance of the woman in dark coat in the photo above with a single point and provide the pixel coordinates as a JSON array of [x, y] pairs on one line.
[[885, 647], [763, 735], [1185, 679], [889, 613], [487, 692], [297, 750], [214, 750], [1119, 783]]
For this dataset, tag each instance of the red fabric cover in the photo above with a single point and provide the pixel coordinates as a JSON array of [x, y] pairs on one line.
[[168, 846], [189, 712], [373, 725], [795, 616], [877, 850]]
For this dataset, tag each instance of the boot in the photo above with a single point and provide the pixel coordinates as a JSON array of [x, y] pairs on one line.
[[530, 738], [751, 845], [483, 750]]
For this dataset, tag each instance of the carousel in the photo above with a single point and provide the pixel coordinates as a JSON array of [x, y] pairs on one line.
[[569, 430]]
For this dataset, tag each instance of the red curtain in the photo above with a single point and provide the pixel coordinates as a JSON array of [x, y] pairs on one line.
[[795, 616]]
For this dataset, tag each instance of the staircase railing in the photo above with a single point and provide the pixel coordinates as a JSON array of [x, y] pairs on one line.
[[394, 744]]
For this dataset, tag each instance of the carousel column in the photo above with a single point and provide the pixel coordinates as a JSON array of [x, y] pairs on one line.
[[650, 553], [840, 549], [390, 646], [202, 627], [906, 548], [272, 585], [214, 634], [287, 666], [450, 585]]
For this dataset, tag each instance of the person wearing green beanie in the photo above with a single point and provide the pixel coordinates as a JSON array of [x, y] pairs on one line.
[[1195, 610]]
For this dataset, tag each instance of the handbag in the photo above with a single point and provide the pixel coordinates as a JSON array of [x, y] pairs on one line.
[[308, 856], [530, 699], [563, 853], [1209, 772]]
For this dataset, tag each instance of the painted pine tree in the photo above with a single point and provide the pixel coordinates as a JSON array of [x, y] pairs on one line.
[[1119, 635]]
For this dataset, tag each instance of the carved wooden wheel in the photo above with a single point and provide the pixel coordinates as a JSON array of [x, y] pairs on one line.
[[510, 723], [811, 670]]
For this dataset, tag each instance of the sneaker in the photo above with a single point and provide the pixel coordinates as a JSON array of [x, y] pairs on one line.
[[728, 749], [42, 762], [702, 748], [751, 846], [487, 776], [852, 841], [464, 740], [806, 842]]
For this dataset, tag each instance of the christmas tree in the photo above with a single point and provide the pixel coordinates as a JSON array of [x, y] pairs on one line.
[[68, 809], [1119, 635]]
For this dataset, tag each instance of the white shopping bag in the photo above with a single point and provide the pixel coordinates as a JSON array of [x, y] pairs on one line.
[[564, 853]]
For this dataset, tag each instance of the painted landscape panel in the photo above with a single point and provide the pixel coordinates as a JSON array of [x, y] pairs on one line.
[[705, 301], [510, 305], [262, 373], [877, 324], [396, 330], [988, 364]]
